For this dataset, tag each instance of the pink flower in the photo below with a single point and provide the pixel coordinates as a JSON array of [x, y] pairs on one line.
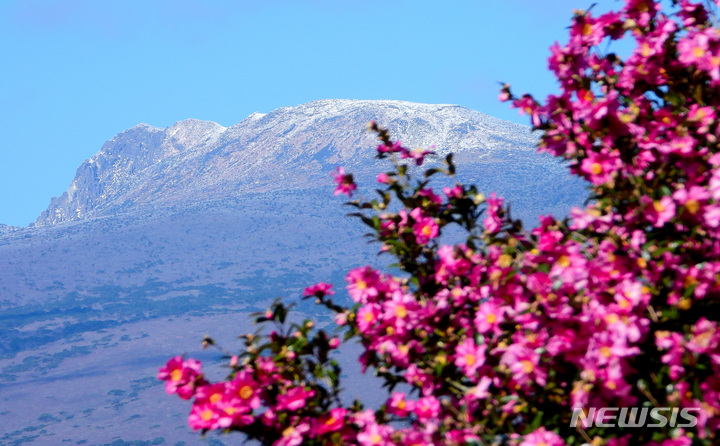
[[693, 49], [246, 389], [294, 399], [659, 212], [427, 408], [469, 357], [454, 192], [524, 364], [399, 310], [375, 435], [218, 406], [321, 289], [431, 196], [692, 199], [394, 148], [528, 106], [204, 416], [363, 284], [180, 376], [480, 391], [705, 337], [211, 393], [398, 405], [425, 228], [493, 222], [383, 178], [541, 437], [367, 317], [332, 422], [488, 318], [600, 167], [345, 183], [293, 435], [416, 154]]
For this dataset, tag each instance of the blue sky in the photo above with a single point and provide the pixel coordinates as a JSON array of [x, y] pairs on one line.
[[75, 73]]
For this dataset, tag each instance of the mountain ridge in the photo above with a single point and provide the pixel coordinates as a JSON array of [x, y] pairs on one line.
[[194, 159]]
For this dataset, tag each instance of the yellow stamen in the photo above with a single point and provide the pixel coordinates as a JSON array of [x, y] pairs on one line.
[[564, 261], [528, 366], [176, 375], [645, 50], [400, 311], [289, 431], [504, 261], [246, 392]]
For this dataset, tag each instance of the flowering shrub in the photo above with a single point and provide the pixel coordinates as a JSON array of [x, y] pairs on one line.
[[500, 337]]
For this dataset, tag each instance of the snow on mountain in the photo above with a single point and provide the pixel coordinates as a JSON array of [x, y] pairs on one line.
[[291, 147]]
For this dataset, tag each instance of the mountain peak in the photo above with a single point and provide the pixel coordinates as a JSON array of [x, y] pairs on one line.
[[288, 148]]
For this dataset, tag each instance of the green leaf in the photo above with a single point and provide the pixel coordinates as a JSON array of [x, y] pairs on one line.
[[535, 422]]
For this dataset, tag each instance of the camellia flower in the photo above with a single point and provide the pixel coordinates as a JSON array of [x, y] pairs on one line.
[[542, 437], [600, 167], [661, 211], [493, 221], [294, 399], [416, 154], [321, 289], [332, 422], [293, 435], [384, 178], [246, 389], [394, 148], [180, 376], [524, 363], [399, 405], [204, 416], [367, 317], [345, 183], [488, 318], [374, 434], [469, 357], [425, 228], [363, 284], [454, 192], [426, 408]]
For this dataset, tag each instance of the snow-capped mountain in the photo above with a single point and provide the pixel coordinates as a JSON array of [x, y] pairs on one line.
[[289, 148]]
